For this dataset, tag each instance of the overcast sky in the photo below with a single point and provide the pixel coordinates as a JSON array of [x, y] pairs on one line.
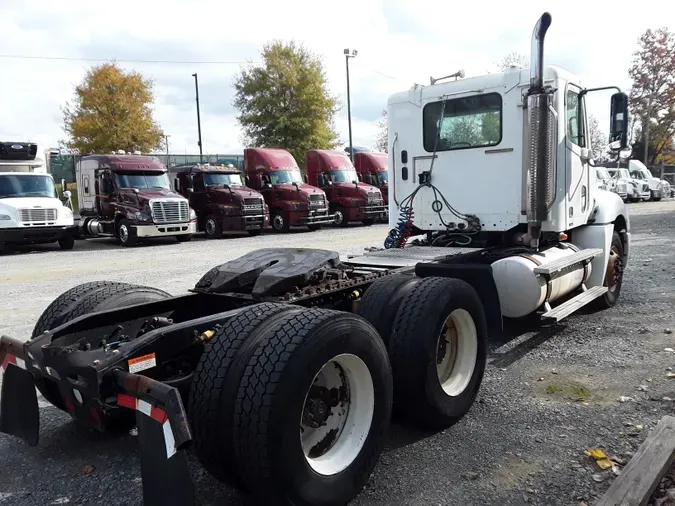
[[399, 42]]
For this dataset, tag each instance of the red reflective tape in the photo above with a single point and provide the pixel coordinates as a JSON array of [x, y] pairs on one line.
[[158, 414], [69, 405], [93, 412], [9, 359], [126, 401]]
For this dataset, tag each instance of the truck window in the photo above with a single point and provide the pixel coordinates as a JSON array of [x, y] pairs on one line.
[[469, 122], [285, 177], [18, 185], [344, 175], [222, 179], [383, 177], [575, 119], [141, 179]]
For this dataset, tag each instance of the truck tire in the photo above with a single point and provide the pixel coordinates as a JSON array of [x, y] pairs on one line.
[[67, 243], [216, 381], [213, 229], [344, 361], [613, 275], [341, 217], [437, 350], [280, 222], [83, 299], [124, 233], [382, 300]]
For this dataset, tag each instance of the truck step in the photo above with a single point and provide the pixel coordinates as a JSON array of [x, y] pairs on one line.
[[567, 308], [552, 268]]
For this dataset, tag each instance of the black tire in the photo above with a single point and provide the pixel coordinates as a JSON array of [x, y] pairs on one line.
[[124, 233], [314, 227], [368, 222], [213, 229], [271, 401], [414, 345], [255, 232], [67, 243], [215, 383], [184, 238], [83, 299], [611, 297], [656, 199], [279, 222], [341, 217], [382, 299]]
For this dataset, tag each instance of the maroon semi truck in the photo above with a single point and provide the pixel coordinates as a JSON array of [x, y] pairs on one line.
[[350, 200], [372, 168], [292, 202], [220, 198], [129, 197]]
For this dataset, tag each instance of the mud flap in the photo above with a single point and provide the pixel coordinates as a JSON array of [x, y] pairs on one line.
[[166, 480], [19, 414]]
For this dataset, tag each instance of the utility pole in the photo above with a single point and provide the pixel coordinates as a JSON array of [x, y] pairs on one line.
[[199, 123], [349, 55], [166, 140]]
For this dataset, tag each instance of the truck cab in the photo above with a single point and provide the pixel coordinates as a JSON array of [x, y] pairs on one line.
[[30, 209], [350, 200], [372, 169], [221, 199], [292, 202], [129, 197], [658, 188]]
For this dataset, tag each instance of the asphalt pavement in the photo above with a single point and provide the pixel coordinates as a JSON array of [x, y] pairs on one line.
[[596, 380]]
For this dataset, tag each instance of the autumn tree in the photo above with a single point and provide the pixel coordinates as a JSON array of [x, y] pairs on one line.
[[598, 138], [512, 59], [652, 97], [111, 111], [382, 136], [285, 102]]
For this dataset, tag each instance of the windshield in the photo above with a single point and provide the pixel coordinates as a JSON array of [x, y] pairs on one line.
[[602, 174], [383, 177], [19, 185], [285, 177], [623, 173], [140, 180], [344, 176], [640, 174], [222, 179]]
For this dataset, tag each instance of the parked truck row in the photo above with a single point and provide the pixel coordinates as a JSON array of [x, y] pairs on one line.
[[132, 197]]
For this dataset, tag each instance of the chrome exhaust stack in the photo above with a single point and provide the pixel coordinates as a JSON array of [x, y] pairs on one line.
[[541, 148]]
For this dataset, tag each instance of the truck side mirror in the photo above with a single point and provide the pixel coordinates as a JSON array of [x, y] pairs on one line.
[[176, 184], [618, 122], [267, 186]]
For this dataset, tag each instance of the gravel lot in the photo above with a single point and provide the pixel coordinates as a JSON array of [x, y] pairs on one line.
[[548, 395]]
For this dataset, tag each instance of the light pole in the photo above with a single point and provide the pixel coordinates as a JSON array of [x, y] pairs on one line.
[[166, 140], [199, 123], [348, 55]]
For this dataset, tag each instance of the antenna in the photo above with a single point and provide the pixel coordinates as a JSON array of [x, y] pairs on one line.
[[459, 73]]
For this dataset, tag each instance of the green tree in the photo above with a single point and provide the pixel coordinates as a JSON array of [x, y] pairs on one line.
[[382, 136], [285, 102], [111, 111], [652, 96]]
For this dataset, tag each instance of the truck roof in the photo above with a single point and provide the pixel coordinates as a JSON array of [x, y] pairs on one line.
[[188, 169], [371, 160], [271, 158], [127, 162], [330, 159]]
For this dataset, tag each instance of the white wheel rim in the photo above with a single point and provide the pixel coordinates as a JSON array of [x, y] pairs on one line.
[[338, 217], [278, 222], [210, 226], [332, 436], [456, 352], [124, 233]]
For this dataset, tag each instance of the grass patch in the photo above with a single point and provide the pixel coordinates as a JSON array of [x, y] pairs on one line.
[[580, 392], [553, 388]]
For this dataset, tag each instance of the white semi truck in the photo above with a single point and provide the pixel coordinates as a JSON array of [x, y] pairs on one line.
[[30, 209], [282, 367]]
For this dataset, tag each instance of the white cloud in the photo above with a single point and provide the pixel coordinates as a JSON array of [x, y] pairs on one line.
[[408, 41]]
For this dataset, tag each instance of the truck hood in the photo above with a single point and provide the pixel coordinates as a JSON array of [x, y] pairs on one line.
[[22, 202], [289, 190], [239, 192], [653, 182], [143, 197], [362, 190]]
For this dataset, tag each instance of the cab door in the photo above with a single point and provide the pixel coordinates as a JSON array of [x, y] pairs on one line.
[[577, 155]]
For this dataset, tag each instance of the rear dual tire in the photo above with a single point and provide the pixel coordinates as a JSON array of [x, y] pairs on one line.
[[277, 441]]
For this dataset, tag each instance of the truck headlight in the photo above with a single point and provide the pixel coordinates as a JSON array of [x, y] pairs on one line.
[[141, 216], [5, 217], [193, 215]]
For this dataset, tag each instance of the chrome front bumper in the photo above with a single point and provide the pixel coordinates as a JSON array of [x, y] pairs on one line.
[[165, 230]]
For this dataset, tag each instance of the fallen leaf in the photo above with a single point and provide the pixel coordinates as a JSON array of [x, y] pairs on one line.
[[604, 463], [88, 469], [596, 453], [553, 371], [639, 427], [670, 375]]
